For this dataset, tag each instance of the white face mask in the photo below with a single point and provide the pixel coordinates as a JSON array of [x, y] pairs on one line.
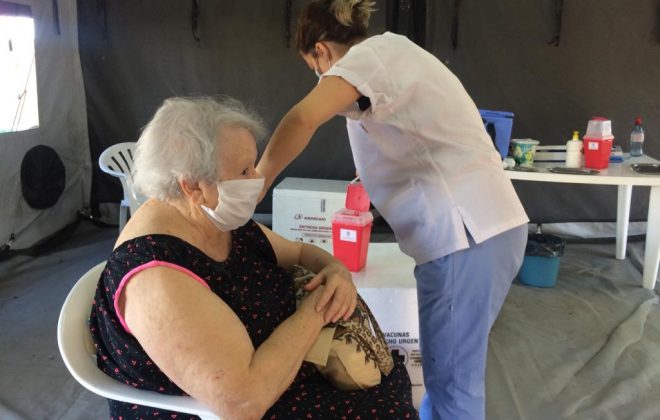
[[317, 68], [237, 199]]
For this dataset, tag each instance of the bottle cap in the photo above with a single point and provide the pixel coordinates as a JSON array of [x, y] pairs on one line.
[[638, 121], [576, 136]]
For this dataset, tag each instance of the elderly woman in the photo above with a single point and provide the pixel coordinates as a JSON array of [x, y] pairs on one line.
[[195, 298]]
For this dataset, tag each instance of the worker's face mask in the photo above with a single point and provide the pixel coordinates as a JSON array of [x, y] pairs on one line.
[[237, 199], [317, 68]]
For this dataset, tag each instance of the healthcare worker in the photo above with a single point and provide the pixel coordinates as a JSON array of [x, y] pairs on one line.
[[432, 172]]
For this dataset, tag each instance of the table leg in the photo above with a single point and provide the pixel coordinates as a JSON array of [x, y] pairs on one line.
[[652, 249], [622, 219]]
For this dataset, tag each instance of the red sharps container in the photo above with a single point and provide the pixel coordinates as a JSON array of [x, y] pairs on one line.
[[598, 143], [351, 228]]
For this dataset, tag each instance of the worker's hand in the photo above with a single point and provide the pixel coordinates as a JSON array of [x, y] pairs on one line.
[[340, 295]]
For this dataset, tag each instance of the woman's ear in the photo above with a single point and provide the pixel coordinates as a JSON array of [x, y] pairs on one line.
[[321, 50], [192, 191]]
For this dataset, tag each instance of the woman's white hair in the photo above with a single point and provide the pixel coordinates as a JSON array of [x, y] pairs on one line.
[[180, 143]]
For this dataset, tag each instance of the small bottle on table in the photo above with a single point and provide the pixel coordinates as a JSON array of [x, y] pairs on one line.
[[637, 139]]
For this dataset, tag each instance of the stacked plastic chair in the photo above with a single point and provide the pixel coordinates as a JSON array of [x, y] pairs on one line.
[[117, 160]]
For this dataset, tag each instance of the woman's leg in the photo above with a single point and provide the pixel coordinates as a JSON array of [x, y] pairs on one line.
[[459, 297]]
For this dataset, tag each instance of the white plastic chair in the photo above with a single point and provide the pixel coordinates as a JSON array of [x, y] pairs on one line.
[[79, 355], [117, 160]]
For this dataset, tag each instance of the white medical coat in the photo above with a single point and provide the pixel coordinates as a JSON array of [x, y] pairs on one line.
[[422, 152]]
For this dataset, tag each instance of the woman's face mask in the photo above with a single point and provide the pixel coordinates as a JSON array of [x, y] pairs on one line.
[[317, 68], [237, 199], [312, 60]]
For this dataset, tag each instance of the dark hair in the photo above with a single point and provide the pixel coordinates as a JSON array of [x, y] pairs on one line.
[[341, 21]]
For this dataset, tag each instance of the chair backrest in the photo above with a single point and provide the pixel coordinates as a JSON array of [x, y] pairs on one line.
[[79, 355], [117, 160]]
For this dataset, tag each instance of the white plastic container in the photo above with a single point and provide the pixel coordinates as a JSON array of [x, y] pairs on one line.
[[599, 127], [574, 151]]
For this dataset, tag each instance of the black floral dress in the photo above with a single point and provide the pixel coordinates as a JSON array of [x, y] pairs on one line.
[[262, 295]]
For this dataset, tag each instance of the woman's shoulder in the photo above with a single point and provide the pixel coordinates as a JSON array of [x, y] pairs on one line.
[[151, 247], [156, 228], [152, 216], [154, 231], [376, 55], [388, 40]]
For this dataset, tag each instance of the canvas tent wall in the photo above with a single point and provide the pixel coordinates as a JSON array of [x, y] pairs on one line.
[[42, 193], [136, 54]]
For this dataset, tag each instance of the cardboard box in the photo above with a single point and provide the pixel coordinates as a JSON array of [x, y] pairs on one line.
[[388, 286], [303, 209]]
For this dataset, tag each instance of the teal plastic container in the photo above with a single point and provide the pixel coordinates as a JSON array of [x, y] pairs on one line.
[[541, 262], [539, 271]]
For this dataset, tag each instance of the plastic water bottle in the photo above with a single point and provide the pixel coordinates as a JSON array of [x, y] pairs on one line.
[[637, 139]]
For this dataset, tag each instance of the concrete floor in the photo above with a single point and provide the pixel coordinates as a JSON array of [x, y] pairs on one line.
[[588, 348]]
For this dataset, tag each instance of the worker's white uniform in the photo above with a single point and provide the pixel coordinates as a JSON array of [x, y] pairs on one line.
[[431, 170]]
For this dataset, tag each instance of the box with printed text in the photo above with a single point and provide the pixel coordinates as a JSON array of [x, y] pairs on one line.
[[303, 209]]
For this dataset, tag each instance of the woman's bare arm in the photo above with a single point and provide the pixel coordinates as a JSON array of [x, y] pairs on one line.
[[202, 345]]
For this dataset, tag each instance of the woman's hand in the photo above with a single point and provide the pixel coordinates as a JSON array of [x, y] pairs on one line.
[[339, 298], [340, 292], [309, 303]]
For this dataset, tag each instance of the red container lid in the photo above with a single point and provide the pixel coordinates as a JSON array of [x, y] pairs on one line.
[[357, 197], [352, 217]]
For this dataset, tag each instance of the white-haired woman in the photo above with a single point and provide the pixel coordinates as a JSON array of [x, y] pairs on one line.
[[431, 170], [195, 297]]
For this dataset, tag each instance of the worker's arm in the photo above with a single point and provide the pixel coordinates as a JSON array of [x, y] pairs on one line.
[[331, 96]]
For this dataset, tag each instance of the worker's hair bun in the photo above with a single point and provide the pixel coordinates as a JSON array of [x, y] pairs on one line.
[[341, 21], [353, 12]]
